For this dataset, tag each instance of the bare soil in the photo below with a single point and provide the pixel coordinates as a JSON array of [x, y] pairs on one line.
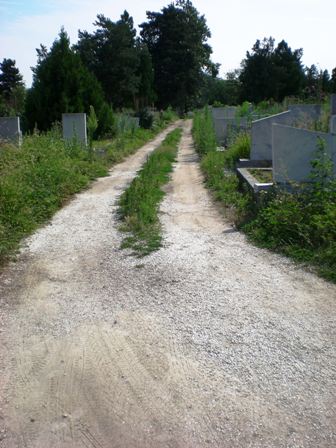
[[207, 342]]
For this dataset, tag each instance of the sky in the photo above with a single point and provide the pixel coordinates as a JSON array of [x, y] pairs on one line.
[[235, 26]]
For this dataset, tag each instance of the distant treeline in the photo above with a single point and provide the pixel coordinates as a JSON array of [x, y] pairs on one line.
[[167, 64]]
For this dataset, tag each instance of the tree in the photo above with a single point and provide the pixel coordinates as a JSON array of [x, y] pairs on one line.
[[112, 54], [217, 90], [177, 40], [61, 84], [333, 81], [12, 89], [271, 73]]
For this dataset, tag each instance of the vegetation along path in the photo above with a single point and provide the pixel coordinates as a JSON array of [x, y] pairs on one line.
[[207, 342]]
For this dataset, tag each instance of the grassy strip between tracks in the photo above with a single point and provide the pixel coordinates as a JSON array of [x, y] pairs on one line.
[[139, 204]]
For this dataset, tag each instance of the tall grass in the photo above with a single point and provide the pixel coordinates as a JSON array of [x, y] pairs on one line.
[[300, 225], [139, 204], [38, 178], [217, 166]]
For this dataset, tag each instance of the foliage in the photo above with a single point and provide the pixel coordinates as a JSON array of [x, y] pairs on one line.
[[177, 40], [92, 125], [271, 72], [139, 204], [37, 179], [300, 224], [218, 92], [217, 165], [146, 118], [12, 90], [238, 149], [62, 84], [120, 62], [203, 132]]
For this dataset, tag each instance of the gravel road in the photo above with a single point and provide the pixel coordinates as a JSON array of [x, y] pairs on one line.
[[208, 342]]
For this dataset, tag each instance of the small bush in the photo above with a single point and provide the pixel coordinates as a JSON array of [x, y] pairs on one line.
[[146, 119]]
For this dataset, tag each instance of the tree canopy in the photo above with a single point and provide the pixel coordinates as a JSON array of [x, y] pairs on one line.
[[118, 60], [270, 72], [177, 40], [12, 90], [62, 84]]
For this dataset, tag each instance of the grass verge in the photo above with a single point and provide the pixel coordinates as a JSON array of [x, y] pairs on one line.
[[37, 179], [139, 204]]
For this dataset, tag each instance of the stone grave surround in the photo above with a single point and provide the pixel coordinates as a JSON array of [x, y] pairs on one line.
[[293, 149], [10, 130], [261, 144], [74, 126]]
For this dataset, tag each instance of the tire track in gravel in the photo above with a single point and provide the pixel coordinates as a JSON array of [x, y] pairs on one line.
[[207, 342]]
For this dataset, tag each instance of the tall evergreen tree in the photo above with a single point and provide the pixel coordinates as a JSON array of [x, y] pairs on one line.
[[62, 84], [12, 89], [177, 40], [111, 53], [270, 72], [333, 81]]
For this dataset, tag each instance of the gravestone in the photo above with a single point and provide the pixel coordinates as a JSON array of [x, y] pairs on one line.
[[74, 127], [332, 125], [223, 126], [302, 112], [293, 151], [227, 112], [333, 104], [10, 130], [261, 144]]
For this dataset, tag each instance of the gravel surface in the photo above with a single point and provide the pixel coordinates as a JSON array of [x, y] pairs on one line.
[[208, 342]]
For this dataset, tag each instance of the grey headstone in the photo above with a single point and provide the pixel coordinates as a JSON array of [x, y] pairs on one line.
[[332, 126], [10, 130], [223, 126], [261, 145], [293, 151], [302, 112], [227, 112], [333, 104], [74, 126]]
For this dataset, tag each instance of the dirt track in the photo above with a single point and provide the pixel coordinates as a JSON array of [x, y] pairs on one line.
[[208, 342]]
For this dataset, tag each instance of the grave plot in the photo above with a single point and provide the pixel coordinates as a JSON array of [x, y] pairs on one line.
[[281, 146]]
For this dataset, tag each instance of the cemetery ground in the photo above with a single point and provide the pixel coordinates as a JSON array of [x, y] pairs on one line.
[[209, 341]]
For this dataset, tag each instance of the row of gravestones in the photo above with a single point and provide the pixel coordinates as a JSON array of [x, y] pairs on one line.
[[73, 125], [278, 142]]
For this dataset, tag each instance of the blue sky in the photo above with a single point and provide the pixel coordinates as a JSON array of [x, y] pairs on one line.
[[235, 26]]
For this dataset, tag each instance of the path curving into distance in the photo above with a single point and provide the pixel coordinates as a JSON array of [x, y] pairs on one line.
[[207, 342]]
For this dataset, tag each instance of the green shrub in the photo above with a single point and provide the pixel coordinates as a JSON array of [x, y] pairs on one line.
[[302, 224], [146, 118], [203, 132]]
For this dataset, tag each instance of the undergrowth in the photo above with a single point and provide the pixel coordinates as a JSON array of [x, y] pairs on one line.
[[139, 204], [299, 224], [37, 178]]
